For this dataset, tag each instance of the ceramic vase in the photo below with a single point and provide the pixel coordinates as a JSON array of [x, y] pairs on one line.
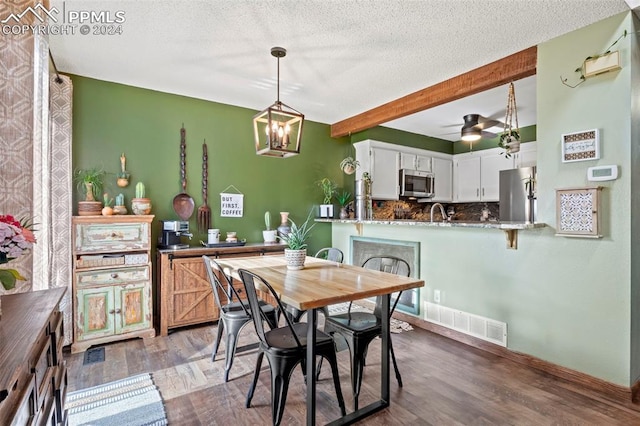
[[284, 228]]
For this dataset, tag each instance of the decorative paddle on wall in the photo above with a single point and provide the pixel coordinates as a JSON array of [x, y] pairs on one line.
[[183, 204], [204, 212]]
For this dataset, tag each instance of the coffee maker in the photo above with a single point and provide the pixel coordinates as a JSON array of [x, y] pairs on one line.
[[172, 233]]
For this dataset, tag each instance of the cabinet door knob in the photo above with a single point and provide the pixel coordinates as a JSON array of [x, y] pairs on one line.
[[114, 275], [118, 311], [111, 312]]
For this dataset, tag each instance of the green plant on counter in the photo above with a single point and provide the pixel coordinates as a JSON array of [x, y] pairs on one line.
[[328, 188], [120, 200], [297, 238], [89, 182], [343, 198], [267, 220]]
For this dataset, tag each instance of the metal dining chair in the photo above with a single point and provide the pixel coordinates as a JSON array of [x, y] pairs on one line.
[[360, 328], [234, 315], [331, 254], [285, 348]]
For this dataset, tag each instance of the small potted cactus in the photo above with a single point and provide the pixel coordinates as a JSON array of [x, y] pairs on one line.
[[120, 208], [107, 210], [140, 204], [269, 235]]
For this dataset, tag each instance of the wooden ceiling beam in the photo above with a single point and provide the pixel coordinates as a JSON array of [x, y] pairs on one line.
[[503, 71]]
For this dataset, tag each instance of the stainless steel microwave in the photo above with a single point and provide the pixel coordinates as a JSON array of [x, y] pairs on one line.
[[416, 184]]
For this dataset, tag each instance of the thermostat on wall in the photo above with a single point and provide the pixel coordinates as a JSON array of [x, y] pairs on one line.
[[600, 173]]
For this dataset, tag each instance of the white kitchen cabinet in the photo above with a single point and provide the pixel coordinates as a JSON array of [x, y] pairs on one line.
[[490, 166], [477, 175], [384, 174], [527, 156], [466, 177], [443, 180], [415, 162]]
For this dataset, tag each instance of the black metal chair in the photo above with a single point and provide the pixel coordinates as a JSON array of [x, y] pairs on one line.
[[360, 328], [331, 254], [234, 315], [284, 347]]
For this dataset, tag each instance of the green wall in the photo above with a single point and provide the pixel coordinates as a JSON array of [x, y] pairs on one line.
[[109, 119], [568, 301]]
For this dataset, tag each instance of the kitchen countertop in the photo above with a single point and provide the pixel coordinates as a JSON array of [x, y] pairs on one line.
[[452, 224], [199, 250]]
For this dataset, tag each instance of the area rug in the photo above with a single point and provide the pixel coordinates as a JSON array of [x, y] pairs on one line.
[[397, 326], [134, 401]]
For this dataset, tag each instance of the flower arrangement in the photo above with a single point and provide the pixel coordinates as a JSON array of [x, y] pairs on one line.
[[16, 238]]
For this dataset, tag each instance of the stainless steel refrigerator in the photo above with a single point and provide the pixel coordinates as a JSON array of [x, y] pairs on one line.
[[517, 195]]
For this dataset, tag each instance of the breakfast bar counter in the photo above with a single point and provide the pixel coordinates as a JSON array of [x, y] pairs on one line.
[[510, 228]]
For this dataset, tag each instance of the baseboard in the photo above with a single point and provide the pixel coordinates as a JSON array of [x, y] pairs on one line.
[[583, 383]]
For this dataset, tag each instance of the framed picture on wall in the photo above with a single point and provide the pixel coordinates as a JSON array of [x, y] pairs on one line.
[[581, 146], [577, 212]]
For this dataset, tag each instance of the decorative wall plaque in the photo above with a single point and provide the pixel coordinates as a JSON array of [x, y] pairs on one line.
[[581, 146], [577, 212]]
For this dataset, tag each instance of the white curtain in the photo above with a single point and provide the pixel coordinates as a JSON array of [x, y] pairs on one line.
[[52, 177]]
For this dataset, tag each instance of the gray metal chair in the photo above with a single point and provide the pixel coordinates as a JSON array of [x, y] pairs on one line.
[[234, 315], [285, 348], [360, 328]]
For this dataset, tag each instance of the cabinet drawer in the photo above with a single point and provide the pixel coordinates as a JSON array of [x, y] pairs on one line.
[[113, 276], [100, 237]]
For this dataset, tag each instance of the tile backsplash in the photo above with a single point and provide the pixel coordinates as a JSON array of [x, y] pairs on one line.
[[463, 212]]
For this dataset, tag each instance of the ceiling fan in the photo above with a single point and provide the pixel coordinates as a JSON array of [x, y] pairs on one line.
[[475, 125]]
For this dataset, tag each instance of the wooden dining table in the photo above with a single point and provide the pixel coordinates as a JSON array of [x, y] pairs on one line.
[[321, 283]]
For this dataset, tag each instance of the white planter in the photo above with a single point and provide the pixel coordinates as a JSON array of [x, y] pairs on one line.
[[269, 236], [295, 258], [326, 210]]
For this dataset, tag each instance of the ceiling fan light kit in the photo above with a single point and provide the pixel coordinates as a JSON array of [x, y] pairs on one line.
[[278, 129]]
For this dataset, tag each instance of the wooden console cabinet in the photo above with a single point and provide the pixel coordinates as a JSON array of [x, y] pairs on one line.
[[112, 283], [183, 287], [33, 374]]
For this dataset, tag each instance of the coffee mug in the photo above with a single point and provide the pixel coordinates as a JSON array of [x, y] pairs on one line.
[[213, 236]]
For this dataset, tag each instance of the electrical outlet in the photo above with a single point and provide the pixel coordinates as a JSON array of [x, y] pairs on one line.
[[436, 296]]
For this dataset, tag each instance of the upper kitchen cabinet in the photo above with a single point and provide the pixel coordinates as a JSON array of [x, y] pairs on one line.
[[527, 156], [415, 162], [443, 179], [381, 161], [477, 175]]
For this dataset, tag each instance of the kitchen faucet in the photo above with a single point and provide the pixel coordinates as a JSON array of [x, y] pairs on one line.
[[442, 212]]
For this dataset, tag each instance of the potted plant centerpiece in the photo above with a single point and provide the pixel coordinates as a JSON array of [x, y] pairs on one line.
[[328, 189], [269, 235], [90, 183], [140, 205], [296, 241]]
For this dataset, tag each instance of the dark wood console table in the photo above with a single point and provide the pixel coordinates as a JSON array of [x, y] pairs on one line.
[[33, 375]]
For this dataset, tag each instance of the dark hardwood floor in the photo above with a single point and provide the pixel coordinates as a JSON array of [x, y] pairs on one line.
[[445, 383]]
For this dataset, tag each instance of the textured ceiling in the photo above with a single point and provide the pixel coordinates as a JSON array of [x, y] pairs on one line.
[[344, 56]]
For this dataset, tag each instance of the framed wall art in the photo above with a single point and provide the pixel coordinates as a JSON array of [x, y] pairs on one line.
[[577, 212], [581, 146]]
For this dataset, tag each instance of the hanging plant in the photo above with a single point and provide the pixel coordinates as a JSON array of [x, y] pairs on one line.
[[510, 137], [349, 165]]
